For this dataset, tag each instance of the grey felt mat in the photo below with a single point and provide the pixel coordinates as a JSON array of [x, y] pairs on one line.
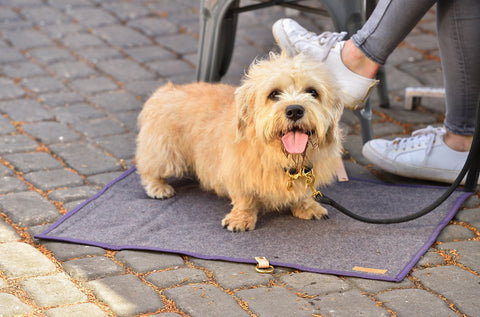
[[121, 216]]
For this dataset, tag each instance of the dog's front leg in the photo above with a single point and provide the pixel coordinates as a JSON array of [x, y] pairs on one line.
[[243, 216], [307, 208]]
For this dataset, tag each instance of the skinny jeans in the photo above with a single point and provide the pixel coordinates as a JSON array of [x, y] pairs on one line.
[[458, 32]]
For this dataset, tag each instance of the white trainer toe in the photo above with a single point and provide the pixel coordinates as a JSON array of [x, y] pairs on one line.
[[424, 155], [326, 47]]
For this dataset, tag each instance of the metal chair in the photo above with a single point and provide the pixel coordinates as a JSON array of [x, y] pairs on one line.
[[218, 21]]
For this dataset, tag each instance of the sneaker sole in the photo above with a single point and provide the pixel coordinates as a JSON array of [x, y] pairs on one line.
[[410, 171], [282, 39]]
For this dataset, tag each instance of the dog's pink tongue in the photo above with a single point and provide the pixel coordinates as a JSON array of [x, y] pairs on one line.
[[295, 142]]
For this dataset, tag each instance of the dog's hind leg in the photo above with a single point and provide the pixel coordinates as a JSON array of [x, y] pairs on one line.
[[309, 209], [155, 164]]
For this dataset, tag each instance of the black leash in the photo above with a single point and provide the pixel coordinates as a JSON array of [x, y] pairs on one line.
[[472, 166]]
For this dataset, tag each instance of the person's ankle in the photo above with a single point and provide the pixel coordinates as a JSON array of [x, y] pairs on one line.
[[358, 63], [457, 142]]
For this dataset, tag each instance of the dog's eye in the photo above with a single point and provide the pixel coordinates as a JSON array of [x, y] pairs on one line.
[[274, 95], [312, 91]]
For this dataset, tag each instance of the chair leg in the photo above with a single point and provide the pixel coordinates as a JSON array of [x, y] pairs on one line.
[[365, 116], [217, 37], [382, 88]]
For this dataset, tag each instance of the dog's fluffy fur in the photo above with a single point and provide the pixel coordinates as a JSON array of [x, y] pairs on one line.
[[231, 138]]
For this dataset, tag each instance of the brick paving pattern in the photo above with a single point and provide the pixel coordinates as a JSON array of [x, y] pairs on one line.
[[73, 77]]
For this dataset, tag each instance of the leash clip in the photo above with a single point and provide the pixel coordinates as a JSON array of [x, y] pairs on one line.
[[310, 181]]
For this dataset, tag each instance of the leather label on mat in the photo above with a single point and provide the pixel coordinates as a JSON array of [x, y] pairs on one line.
[[369, 270], [341, 173]]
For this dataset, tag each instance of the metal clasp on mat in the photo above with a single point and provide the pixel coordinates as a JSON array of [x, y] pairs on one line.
[[263, 266]]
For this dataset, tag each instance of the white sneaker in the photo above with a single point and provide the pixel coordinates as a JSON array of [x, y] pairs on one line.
[[424, 155], [326, 47]]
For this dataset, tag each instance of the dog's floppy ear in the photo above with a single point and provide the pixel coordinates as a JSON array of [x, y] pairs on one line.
[[244, 99]]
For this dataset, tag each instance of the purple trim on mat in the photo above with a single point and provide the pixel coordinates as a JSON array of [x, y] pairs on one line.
[[400, 185], [72, 212], [456, 205], [222, 258], [398, 278]]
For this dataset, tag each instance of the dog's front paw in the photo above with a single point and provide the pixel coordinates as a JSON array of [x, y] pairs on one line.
[[240, 220], [159, 190], [309, 210]]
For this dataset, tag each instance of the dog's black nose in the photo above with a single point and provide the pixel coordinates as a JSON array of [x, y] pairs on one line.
[[294, 112]]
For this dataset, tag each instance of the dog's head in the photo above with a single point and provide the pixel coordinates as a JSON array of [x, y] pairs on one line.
[[291, 103]]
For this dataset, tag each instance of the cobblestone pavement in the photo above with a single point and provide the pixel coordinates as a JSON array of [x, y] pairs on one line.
[[73, 77]]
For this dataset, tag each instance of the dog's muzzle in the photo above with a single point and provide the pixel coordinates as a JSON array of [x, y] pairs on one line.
[[295, 140]]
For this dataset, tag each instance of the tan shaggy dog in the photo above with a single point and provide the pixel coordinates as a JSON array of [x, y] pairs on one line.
[[243, 142]]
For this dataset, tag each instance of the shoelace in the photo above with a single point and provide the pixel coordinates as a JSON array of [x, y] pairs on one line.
[[426, 136], [327, 39]]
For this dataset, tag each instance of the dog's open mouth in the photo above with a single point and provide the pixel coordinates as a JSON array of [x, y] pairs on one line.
[[295, 141]]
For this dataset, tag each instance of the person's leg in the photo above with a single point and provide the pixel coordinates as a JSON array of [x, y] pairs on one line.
[[355, 62], [387, 26], [439, 153], [458, 24], [431, 153]]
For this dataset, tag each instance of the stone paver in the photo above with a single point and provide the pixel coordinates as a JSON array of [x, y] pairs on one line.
[[467, 252], [431, 258], [149, 261], [6, 127], [350, 303], [91, 268], [7, 233], [126, 295], [16, 143], [204, 300], [99, 127], [74, 76], [469, 216], [457, 285], [22, 260], [53, 290], [8, 89], [86, 159], [275, 301], [54, 179], [234, 276], [374, 286], [176, 277], [314, 284], [79, 310], [12, 306], [31, 162], [415, 302], [25, 110], [68, 251], [117, 101], [28, 208], [11, 184], [76, 113], [66, 195], [455, 232]]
